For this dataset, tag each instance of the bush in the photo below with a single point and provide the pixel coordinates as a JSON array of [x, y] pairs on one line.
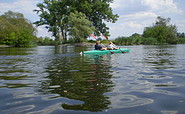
[[16, 30], [149, 41], [181, 40], [162, 31]]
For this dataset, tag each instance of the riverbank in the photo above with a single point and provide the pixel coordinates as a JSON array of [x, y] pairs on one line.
[[4, 46]]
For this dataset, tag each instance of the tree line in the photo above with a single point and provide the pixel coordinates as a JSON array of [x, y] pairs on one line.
[[67, 20], [73, 21], [15, 30], [161, 32]]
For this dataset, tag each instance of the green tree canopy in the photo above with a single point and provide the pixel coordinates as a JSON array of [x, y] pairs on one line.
[[16, 30], [162, 31], [79, 26], [54, 14]]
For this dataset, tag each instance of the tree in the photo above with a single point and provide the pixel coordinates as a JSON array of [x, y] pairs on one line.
[[79, 26], [181, 35], [16, 30], [162, 31], [99, 12], [50, 15], [54, 14], [6, 30]]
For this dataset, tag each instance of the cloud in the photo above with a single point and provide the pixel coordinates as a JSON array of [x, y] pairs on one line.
[[123, 3], [139, 16], [135, 15], [180, 25], [22, 6], [43, 32], [132, 23], [164, 6], [19, 5], [158, 6], [137, 20]]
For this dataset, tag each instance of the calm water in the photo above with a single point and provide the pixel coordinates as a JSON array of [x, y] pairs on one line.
[[46, 79]]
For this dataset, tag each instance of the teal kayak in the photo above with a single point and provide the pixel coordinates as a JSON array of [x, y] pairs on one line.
[[121, 50]]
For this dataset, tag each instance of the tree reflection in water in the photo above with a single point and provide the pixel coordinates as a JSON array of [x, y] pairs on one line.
[[80, 78]]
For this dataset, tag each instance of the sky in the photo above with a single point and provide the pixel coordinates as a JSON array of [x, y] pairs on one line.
[[134, 15]]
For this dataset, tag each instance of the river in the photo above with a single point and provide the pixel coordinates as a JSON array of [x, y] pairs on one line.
[[49, 79]]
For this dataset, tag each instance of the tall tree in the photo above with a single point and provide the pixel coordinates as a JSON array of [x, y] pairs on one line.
[[54, 14]]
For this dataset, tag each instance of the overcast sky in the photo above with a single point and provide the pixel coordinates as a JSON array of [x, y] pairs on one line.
[[134, 14]]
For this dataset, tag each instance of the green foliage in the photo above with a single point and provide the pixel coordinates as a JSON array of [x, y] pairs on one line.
[[15, 30], [135, 39], [162, 31], [181, 35], [181, 40], [92, 41], [105, 41], [10, 39], [54, 14], [149, 41], [46, 41], [79, 26], [70, 41]]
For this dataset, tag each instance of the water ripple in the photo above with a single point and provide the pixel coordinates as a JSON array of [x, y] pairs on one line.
[[126, 101]]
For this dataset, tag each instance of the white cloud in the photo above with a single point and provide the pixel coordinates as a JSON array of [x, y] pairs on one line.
[[164, 6], [115, 4], [135, 15], [123, 3], [180, 25], [19, 6], [43, 32], [132, 23], [139, 16], [22, 6]]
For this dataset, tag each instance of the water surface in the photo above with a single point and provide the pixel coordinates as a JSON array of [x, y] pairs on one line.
[[48, 79]]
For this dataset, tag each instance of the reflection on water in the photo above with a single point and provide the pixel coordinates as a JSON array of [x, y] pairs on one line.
[[83, 80], [48, 79], [161, 57]]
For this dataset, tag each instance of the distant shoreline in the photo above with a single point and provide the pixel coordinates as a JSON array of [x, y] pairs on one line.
[[4, 46], [79, 44], [75, 44]]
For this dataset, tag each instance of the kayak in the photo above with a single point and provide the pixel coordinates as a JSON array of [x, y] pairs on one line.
[[121, 50]]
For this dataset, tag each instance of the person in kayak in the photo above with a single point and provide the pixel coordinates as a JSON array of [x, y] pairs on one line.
[[99, 47], [111, 46]]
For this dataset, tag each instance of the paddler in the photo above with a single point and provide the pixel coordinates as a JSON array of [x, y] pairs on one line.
[[111, 46], [98, 46]]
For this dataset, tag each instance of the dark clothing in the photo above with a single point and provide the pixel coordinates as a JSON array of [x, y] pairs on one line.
[[98, 47]]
